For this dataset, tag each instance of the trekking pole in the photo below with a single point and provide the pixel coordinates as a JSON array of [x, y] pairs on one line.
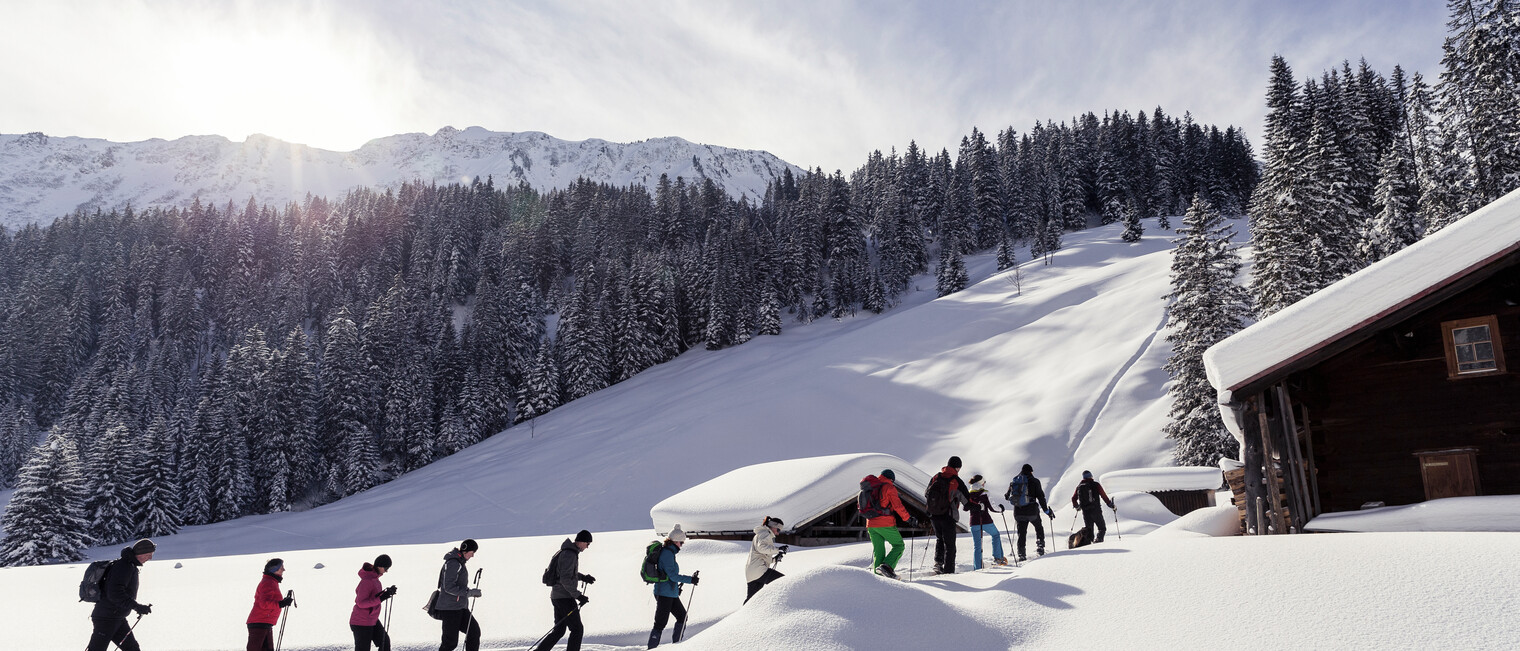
[[693, 596], [1118, 535], [469, 619], [291, 595], [1069, 530], [1008, 533], [133, 627], [1053, 532]]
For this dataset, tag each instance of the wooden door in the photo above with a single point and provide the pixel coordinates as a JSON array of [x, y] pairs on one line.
[[1449, 473]]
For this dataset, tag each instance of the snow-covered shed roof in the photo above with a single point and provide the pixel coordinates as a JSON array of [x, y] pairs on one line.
[[1301, 333], [1186, 478], [795, 490]]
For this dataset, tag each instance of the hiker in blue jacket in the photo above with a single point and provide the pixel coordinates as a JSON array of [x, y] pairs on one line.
[[667, 593]]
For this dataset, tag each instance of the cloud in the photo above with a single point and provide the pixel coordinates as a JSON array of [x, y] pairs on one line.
[[816, 83]]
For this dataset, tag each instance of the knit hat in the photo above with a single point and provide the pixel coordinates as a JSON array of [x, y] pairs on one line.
[[1027, 469], [584, 536], [888, 474], [469, 545], [273, 566], [1087, 474], [143, 546], [383, 560], [978, 484], [773, 522], [955, 462], [676, 535]]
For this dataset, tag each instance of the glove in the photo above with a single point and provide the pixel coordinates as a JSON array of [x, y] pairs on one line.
[[695, 578], [913, 522], [475, 592], [1049, 513], [143, 609], [784, 548], [387, 593], [583, 599], [588, 579], [777, 557], [285, 603]]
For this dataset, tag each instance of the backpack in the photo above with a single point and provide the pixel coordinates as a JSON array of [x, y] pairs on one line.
[[650, 571], [937, 496], [869, 501], [1018, 491], [551, 573], [1087, 494], [94, 575]]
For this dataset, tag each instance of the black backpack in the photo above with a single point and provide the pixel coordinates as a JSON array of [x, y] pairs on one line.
[[94, 576], [937, 496], [1087, 494], [551, 573], [869, 501], [650, 571]]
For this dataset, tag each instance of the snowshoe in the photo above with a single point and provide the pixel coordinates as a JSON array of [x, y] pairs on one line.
[[886, 571], [1000, 561]]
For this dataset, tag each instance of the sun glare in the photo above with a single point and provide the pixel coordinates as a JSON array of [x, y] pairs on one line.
[[294, 85]]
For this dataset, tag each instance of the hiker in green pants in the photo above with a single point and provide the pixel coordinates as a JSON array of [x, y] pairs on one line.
[[882, 508]]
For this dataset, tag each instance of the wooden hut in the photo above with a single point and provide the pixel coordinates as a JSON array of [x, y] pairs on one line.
[[1391, 386], [1181, 490], [815, 498]]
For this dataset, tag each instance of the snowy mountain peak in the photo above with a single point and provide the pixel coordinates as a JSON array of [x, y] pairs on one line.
[[43, 177]]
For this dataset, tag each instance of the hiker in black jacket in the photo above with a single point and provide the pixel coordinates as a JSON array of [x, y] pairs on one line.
[[1028, 500], [945, 496], [566, 597], [118, 597], [1090, 497]]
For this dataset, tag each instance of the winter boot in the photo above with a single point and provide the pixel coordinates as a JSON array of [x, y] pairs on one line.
[[886, 571], [1000, 560]]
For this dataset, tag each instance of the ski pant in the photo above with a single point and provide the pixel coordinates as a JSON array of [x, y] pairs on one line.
[[880, 538], [566, 616], [456, 621], [260, 637], [1094, 516], [112, 629], [754, 586], [944, 542], [976, 542], [374, 634], [663, 609], [1039, 532]]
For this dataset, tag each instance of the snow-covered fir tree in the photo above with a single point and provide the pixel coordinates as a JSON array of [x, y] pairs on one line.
[[45, 521], [108, 504], [156, 501], [540, 392], [950, 276], [1207, 306]]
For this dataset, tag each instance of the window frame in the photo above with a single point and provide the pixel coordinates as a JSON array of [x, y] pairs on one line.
[[1449, 342]]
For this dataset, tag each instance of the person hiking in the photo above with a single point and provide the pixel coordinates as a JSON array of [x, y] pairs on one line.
[[1028, 499], [945, 496], [565, 596], [369, 597], [882, 528], [763, 556], [118, 596], [667, 593], [1087, 498], [981, 522], [267, 602], [454, 594]]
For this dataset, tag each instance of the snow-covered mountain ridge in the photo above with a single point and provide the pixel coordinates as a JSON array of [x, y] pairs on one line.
[[44, 177]]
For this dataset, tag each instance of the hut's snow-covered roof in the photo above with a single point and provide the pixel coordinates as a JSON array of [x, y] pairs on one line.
[[795, 490], [1186, 478], [1363, 298]]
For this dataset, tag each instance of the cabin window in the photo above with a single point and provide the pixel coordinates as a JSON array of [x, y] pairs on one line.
[[1473, 347]]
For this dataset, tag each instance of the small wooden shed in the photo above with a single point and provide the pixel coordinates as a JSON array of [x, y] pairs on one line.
[[815, 498], [1393, 386], [1181, 490]]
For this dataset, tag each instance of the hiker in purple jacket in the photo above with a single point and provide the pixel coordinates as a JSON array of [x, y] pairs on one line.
[[369, 597]]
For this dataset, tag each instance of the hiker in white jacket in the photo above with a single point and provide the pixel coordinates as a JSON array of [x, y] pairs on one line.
[[763, 555]]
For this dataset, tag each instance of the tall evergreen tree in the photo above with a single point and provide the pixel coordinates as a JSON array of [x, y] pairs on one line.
[[1207, 306], [45, 520], [156, 502]]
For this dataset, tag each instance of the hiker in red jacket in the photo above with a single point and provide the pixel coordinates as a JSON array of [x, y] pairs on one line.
[[267, 603], [1087, 498], [881, 527], [368, 600]]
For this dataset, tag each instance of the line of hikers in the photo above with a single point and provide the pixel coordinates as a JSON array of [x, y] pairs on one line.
[[113, 585], [947, 493]]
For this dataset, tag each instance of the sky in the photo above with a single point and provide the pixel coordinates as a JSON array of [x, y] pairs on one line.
[[816, 83]]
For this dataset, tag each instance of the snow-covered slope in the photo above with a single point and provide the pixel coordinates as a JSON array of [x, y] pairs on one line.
[[43, 178], [1066, 376]]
